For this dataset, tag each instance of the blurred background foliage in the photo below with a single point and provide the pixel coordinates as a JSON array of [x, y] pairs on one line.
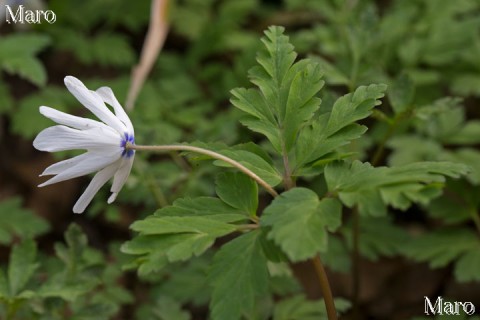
[[427, 52]]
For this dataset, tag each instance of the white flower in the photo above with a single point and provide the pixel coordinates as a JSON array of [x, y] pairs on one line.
[[104, 141]]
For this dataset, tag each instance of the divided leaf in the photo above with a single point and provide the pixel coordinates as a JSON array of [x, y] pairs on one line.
[[17, 56], [298, 219], [21, 266], [286, 94], [337, 128], [238, 275], [372, 189], [441, 247], [20, 222], [175, 238]]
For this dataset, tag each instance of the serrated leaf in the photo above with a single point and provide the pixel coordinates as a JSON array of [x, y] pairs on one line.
[[468, 266], [372, 189], [239, 191], [17, 56], [298, 219], [21, 265], [20, 222], [458, 204], [438, 248], [206, 207], [56, 287], [286, 94], [240, 262], [337, 128], [199, 232]]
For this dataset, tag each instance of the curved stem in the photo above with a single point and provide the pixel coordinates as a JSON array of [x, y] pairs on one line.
[[325, 286], [213, 154], [323, 280]]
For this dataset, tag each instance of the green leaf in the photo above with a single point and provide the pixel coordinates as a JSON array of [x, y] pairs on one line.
[[17, 56], [168, 238], [71, 254], [239, 191], [187, 283], [337, 128], [378, 237], [466, 268], [299, 308], [438, 248], [337, 256], [372, 189], [286, 94], [206, 207], [167, 308], [170, 225], [16, 221], [254, 163], [22, 265], [240, 262], [298, 220], [199, 232], [458, 204], [401, 93]]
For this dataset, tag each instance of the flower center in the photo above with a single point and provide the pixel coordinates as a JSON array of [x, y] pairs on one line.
[[127, 153]]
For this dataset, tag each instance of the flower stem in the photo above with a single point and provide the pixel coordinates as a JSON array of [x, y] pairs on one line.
[[325, 286], [210, 153], [323, 280]]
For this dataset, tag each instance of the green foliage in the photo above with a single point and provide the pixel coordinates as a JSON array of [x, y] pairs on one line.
[[336, 128], [16, 221], [39, 289], [298, 220], [299, 308], [442, 247], [281, 104], [18, 56], [379, 237], [239, 275], [329, 150], [372, 189], [239, 191], [165, 308]]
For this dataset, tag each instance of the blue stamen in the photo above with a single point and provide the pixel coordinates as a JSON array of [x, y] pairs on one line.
[[128, 138]]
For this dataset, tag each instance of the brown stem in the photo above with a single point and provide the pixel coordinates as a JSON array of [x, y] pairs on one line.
[[325, 286]]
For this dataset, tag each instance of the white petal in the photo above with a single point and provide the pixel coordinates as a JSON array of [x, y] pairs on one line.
[[97, 182], [60, 138], [93, 102], [63, 165], [69, 120], [93, 161], [107, 96], [121, 177]]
